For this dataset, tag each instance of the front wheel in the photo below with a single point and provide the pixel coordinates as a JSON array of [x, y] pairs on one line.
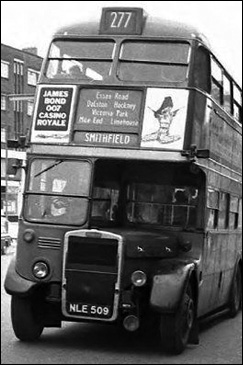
[[26, 320], [235, 301], [175, 330]]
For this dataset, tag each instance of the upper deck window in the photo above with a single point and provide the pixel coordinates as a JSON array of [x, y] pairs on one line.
[[217, 81], [237, 102], [201, 70], [80, 60], [154, 61]]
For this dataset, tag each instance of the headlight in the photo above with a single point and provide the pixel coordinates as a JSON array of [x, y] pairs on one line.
[[138, 278], [40, 270]]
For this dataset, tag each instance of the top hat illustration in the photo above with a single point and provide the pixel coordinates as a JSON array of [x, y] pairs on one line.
[[167, 103]]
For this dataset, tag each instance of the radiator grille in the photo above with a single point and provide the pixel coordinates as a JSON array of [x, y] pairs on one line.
[[49, 242], [92, 251], [91, 276]]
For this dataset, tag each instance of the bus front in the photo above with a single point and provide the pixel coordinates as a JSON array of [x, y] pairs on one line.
[[111, 205]]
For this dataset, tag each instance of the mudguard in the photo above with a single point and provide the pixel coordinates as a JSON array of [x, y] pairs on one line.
[[15, 284], [168, 286]]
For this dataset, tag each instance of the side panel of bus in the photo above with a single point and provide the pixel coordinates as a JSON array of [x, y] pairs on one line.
[[213, 130]]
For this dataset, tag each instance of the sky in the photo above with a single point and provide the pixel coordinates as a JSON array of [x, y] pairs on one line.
[[32, 23]]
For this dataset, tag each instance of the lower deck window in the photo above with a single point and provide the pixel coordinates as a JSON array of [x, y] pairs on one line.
[[162, 204], [141, 193]]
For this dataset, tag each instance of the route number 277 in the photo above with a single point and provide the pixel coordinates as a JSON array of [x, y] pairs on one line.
[[120, 19]]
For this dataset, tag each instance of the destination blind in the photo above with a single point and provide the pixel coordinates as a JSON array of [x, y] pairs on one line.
[[108, 117]]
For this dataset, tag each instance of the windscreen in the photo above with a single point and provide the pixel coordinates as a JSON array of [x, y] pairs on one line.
[[58, 191], [80, 60]]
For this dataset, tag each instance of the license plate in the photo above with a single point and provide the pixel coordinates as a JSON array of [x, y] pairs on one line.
[[89, 310]]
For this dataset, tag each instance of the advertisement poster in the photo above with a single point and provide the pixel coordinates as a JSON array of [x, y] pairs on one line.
[[164, 118], [52, 118]]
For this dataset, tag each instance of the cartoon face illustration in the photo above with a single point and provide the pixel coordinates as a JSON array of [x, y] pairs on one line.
[[164, 115]]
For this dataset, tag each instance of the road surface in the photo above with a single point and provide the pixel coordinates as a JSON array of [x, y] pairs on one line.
[[220, 342]]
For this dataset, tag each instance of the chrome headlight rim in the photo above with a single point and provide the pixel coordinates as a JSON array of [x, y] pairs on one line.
[[43, 269], [138, 278]]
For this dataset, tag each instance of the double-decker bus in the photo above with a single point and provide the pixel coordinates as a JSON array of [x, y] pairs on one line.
[[132, 201]]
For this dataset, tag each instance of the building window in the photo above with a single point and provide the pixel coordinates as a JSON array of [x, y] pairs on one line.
[[18, 77], [18, 89], [18, 67], [32, 77], [30, 107], [3, 135], [3, 102], [3, 167], [5, 69]]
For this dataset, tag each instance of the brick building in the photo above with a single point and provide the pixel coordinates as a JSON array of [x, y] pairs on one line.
[[19, 74]]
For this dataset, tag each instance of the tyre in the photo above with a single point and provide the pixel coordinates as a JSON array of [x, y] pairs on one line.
[[175, 330], [26, 320], [235, 301]]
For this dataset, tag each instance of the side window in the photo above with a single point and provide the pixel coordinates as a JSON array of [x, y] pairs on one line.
[[237, 102], [228, 99], [217, 82], [202, 70], [213, 208], [240, 214], [224, 211], [233, 212]]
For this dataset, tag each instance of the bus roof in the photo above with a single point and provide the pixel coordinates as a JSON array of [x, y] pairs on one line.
[[153, 27]]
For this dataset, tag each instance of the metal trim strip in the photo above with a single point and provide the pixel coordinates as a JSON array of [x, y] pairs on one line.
[[103, 234]]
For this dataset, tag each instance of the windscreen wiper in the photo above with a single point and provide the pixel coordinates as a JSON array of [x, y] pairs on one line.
[[49, 167]]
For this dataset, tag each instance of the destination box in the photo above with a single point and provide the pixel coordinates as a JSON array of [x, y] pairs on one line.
[[109, 110], [106, 139]]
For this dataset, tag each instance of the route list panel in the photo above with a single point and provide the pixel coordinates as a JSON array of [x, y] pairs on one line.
[[108, 117]]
